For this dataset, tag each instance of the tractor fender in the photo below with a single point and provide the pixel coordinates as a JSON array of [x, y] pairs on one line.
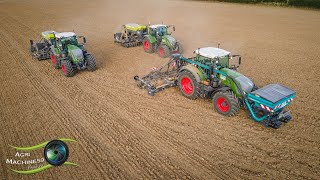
[[151, 38], [222, 89], [195, 71]]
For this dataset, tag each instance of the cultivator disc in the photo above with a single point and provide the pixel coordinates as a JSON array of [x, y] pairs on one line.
[[131, 44], [41, 54], [160, 78], [39, 51]]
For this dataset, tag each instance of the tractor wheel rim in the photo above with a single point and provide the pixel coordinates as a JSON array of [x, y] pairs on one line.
[[146, 45], [222, 104], [53, 59], [161, 51], [186, 85], [64, 69]]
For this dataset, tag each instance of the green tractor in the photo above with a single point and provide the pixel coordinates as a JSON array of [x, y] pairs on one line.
[[65, 52], [131, 35], [160, 40], [212, 74]]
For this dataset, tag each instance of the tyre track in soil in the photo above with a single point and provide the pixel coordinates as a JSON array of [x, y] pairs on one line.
[[282, 139], [71, 91], [157, 101], [30, 137], [53, 103], [119, 106], [221, 147], [99, 88], [268, 132], [2, 135], [167, 138], [62, 113], [303, 138]]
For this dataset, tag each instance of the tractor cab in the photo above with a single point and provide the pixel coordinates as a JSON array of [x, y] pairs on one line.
[[158, 30], [217, 57], [160, 40], [66, 38]]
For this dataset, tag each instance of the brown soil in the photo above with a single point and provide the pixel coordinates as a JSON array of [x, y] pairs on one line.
[[125, 133]]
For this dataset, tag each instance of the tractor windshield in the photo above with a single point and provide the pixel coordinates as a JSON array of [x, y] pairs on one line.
[[69, 40], [162, 30]]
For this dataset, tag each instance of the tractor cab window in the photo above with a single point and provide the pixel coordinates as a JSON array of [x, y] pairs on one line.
[[162, 30], [205, 60], [69, 40]]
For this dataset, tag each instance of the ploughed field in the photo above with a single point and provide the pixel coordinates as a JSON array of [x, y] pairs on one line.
[[125, 133]]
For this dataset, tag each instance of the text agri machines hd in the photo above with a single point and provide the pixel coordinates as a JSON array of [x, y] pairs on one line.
[[212, 74], [64, 50], [154, 38]]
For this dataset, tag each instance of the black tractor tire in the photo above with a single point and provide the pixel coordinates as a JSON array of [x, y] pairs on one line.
[[188, 85], [179, 48], [147, 46], [91, 62], [164, 51], [67, 68], [226, 103]]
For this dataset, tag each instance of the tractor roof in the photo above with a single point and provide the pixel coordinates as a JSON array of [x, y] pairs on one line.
[[157, 25], [211, 52], [65, 34]]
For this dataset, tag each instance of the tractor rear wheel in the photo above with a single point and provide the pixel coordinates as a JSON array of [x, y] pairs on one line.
[[54, 61], [147, 46], [91, 62], [188, 85], [226, 103], [164, 51], [67, 68]]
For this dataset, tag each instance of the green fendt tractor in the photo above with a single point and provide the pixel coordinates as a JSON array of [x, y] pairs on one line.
[[212, 74], [131, 35], [160, 40], [65, 51]]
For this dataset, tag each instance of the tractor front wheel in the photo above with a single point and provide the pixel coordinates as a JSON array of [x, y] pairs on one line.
[[147, 46], [67, 68], [164, 51], [91, 62], [226, 103], [188, 85]]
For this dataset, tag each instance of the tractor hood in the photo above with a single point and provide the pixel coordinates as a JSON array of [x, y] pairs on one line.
[[171, 40], [76, 53], [245, 83]]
